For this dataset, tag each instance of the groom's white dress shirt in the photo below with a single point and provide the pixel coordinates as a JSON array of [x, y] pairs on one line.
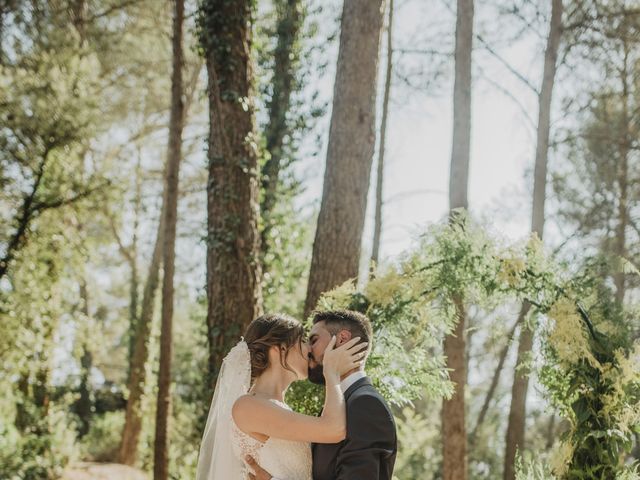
[[351, 379], [344, 386]]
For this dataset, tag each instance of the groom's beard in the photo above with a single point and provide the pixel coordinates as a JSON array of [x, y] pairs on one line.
[[316, 375]]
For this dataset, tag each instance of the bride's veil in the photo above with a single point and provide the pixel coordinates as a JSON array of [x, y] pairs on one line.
[[217, 460]]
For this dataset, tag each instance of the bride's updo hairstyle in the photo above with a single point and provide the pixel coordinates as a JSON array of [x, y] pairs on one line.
[[274, 329]]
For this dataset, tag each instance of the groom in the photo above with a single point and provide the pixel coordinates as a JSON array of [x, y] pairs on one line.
[[369, 450]]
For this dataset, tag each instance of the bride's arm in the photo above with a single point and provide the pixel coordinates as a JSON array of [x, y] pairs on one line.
[[260, 416]]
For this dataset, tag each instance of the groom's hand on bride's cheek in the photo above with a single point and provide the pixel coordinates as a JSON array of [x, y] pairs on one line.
[[260, 473]]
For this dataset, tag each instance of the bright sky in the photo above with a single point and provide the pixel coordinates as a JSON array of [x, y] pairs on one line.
[[420, 134]]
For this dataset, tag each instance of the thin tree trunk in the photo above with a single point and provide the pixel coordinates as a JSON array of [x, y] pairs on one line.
[[494, 381], [551, 432], [338, 238], [289, 23], [84, 404], [377, 231], [23, 418], [132, 257], [453, 410], [41, 396], [517, 414], [79, 17], [520, 386], [128, 451], [6, 6], [233, 242], [623, 170], [176, 125]]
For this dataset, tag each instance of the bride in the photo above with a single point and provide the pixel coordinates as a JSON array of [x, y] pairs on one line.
[[248, 416]]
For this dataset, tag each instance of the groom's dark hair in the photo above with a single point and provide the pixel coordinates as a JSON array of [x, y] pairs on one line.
[[355, 322]]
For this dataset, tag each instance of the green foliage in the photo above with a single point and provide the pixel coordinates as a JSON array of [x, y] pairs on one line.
[[288, 113], [39, 454], [629, 473], [56, 97], [590, 369], [101, 443], [287, 262], [419, 452], [410, 305], [594, 379], [529, 469]]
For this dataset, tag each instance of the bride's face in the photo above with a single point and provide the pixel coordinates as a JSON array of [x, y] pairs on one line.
[[298, 360]]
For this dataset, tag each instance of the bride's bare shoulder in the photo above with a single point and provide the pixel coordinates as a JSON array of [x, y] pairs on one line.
[[247, 410], [248, 403]]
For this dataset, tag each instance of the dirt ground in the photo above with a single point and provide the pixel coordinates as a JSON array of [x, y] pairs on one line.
[[102, 471]]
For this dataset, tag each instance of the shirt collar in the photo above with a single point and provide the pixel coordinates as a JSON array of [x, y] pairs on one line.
[[351, 379]]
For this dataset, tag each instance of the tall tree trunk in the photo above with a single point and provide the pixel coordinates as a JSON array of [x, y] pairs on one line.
[[84, 403], [453, 410], [551, 437], [233, 242], [519, 388], [23, 418], [620, 248], [377, 230], [338, 238], [128, 451], [517, 412], [494, 383], [176, 125], [286, 57], [78, 12], [6, 6], [132, 258]]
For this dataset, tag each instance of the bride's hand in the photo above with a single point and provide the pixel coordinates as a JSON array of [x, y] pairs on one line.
[[346, 357]]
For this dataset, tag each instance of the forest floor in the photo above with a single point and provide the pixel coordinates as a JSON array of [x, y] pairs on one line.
[[102, 471]]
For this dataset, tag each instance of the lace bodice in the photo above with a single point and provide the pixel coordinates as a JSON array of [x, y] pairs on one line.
[[283, 459]]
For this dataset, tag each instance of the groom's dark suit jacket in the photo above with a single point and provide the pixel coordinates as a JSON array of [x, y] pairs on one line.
[[369, 451]]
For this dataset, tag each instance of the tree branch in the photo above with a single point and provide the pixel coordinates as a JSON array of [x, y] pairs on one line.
[[61, 202], [25, 218]]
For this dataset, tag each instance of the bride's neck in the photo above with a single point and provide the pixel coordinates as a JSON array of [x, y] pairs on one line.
[[272, 384]]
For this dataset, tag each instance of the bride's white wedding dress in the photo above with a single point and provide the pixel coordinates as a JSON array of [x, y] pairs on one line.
[[283, 459], [224, 446]]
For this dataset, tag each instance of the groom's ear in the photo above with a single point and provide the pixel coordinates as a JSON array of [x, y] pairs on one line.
[[343, 337]]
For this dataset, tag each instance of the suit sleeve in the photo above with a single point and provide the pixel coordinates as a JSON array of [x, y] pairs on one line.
[[371, 437]]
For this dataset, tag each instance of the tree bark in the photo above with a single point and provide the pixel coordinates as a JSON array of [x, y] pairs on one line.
[[132, 258], [338, 237], [84, 404], [453, 410], [377, 230], [289, 23], [128, 451], [519, 388], [233, 242], [494, 382], [517, 414], [78, 12], [176, 125], [622, 173]]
